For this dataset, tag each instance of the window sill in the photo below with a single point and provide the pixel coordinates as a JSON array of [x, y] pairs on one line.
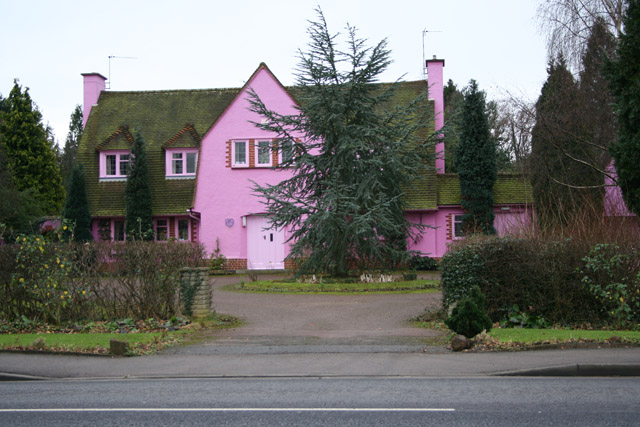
[[113, 179], [179, 177]]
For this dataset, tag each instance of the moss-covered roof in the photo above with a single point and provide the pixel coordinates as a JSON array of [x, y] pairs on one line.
[[177, 118], [508, 189]]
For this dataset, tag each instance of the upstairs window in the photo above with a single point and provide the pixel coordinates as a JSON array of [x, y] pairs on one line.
[[181, 163], [239, 154], [286, 151], [115, 165], [263, 153]]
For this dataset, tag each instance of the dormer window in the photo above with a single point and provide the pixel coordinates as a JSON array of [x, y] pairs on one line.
[[181, 163], [115, 165]]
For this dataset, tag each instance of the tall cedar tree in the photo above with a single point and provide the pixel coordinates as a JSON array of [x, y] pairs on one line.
[[139, 217], [565, 169], [453, 101], [475, 161], [344, 204], [76, 208], [30, 158], [623, 73], [68, 157]]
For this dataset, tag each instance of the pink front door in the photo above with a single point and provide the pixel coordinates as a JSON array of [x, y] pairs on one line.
[[265, 246]]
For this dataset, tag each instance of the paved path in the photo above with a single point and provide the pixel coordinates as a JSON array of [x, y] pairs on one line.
[[324, 321]]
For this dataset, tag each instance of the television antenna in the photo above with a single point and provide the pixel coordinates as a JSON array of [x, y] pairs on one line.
[[119, 57], [424, 60]]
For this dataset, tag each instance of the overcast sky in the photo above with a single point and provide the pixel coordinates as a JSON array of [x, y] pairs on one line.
[[184, 44]]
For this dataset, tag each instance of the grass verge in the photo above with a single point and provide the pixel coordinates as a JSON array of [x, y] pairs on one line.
[[140, 342], [530, 336], [288, 287]]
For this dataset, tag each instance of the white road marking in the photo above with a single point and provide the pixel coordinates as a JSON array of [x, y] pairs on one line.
[[228, 410]]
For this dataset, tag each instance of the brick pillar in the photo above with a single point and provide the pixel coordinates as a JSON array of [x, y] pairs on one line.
[[197, 278]]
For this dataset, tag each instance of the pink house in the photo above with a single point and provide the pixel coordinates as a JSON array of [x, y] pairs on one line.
[[204, 152]]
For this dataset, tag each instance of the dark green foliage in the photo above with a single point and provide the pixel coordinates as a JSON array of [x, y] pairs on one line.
[[19, 210], [68, 158], [360, 149], [423, 263], [76, 209], [476, 163], [453, 101], [543, 278], [31, 160], [623, 75], [565, 164], [469, 317], [139, 218]]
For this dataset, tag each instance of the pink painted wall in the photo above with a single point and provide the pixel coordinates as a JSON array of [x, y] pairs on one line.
[[436, 93], [435, 240], [614, 204], [224, 193], [94, 83]]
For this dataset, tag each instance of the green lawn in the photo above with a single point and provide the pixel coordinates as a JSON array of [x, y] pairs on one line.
[[530, 336], [97, 343], [268, 286]]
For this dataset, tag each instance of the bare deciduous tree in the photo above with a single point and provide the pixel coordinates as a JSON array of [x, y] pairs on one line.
[[568, 23]]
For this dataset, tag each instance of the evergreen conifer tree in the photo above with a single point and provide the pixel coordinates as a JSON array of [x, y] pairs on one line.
[[30, 158], [475, 161], [76, 208], [139, 217], [68, 158], [344, 203], [565, 170], [623, 75]]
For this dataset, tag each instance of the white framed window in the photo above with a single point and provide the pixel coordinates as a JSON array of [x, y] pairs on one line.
[[263, 154], [115, 165], [182, 229], [181, 163], [162, 230], [240, 154], [285, 150], [458, 231]]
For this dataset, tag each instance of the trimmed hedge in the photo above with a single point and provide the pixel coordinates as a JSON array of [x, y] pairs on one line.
[[542, 278]]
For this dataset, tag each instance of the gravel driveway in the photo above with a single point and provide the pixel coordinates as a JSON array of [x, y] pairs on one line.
[[300, 321]]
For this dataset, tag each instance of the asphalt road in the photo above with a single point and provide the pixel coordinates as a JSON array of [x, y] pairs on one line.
[[324, 401]]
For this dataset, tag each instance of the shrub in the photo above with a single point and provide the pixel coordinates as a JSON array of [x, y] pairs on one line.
[[469, 317], [613, 278], [425, 263], [542, 276]]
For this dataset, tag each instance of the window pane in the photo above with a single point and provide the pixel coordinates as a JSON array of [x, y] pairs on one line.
[[287, 151], [183, 229], [124, 164], [264, 152], [191, 162], [161, 229], [177, 163], [457, 226], [118, 231], [241, 154], [111, 164]]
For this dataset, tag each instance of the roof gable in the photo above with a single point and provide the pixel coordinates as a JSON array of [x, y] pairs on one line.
[[119, 140], [187, 137]]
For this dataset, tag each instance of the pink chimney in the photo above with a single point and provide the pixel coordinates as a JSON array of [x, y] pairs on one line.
[[436, 94], [94, 83]]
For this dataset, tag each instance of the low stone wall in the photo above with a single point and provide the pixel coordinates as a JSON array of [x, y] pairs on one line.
[[197, 278]]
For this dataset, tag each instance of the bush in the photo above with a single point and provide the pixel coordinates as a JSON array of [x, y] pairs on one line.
[[421, 263], [50, 280], [469, 317], [543, 277], [613, 278]]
